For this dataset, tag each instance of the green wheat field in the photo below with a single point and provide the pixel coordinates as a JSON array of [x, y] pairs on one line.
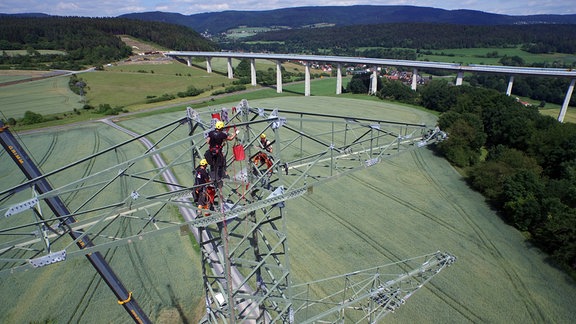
[[409, 205]]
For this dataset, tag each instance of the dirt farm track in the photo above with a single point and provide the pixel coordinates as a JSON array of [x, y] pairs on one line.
[[406, 206]]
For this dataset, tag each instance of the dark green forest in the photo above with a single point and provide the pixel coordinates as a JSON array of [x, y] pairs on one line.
[[524, 163], [347, 41], [87, 41]]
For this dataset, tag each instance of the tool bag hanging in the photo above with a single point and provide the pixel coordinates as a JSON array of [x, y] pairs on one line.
[[238, 150]]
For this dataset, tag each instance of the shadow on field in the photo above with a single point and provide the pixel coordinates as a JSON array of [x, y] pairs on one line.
[[293, 92], [203, 67], [174, 302]]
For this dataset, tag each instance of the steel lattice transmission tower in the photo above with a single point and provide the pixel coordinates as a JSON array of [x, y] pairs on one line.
[[245, 261]]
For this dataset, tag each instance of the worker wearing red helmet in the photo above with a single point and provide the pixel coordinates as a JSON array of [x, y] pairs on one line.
[[214, 155]]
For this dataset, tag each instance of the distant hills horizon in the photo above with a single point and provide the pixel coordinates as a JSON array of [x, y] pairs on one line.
[[306, 17]]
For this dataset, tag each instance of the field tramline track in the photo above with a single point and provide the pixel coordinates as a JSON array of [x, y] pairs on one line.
[[49, 151], [506, 267], [144, 189], [454, 303], [387, 253], [87, 169], [410, 205]]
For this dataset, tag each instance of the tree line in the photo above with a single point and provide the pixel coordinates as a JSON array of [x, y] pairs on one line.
[[529, 171], [88, 41], [544, 90], [524, 163]]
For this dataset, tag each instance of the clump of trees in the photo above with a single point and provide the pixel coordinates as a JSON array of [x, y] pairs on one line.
[[77, 85], [360, 83], [31, 117], [397, 91], [191, 91], [163, 97], [106, 109], [230, 89]]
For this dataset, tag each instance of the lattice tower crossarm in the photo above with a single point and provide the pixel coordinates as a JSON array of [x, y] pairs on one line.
[[339, 146], [246, 264], [366, 296]]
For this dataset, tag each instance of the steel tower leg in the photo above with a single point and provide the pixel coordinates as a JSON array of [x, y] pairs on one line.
[[31, 171]]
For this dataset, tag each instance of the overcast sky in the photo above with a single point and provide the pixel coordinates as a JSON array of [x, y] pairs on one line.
[[113, 8]]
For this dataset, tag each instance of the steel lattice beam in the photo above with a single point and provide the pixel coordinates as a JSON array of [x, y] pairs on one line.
[[246, 269]]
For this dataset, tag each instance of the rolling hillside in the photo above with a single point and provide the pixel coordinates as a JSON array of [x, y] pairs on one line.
[[299, 17]]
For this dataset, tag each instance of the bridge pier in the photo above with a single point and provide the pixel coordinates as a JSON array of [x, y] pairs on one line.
[[278, 76], [188, 61], [253, 71], [566, 101], [339, 79], [459, 78], [414, 79], [510, 83], [230, 70], [373, 81], [307, 79], [208, 64]]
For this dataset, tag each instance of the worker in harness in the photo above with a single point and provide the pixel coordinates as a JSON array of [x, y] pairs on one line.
[[214, 155], [265, 144], [201, 181], [262, 157]]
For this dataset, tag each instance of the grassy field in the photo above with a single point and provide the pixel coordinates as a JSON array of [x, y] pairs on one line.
[[153, 271], [123, 85], [46, 96], [25, 52], [7, 76], [129, 86], [241, 32], [413, 204], [479, 56]]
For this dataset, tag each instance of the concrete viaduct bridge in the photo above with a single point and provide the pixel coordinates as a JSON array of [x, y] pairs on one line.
[[415, 65]]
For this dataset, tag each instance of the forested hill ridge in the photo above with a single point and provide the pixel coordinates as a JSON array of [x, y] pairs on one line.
[[301, 17], [346, 41], [90, 41]]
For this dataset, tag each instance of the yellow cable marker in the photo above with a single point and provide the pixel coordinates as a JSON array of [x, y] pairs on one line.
[[122, 302]]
